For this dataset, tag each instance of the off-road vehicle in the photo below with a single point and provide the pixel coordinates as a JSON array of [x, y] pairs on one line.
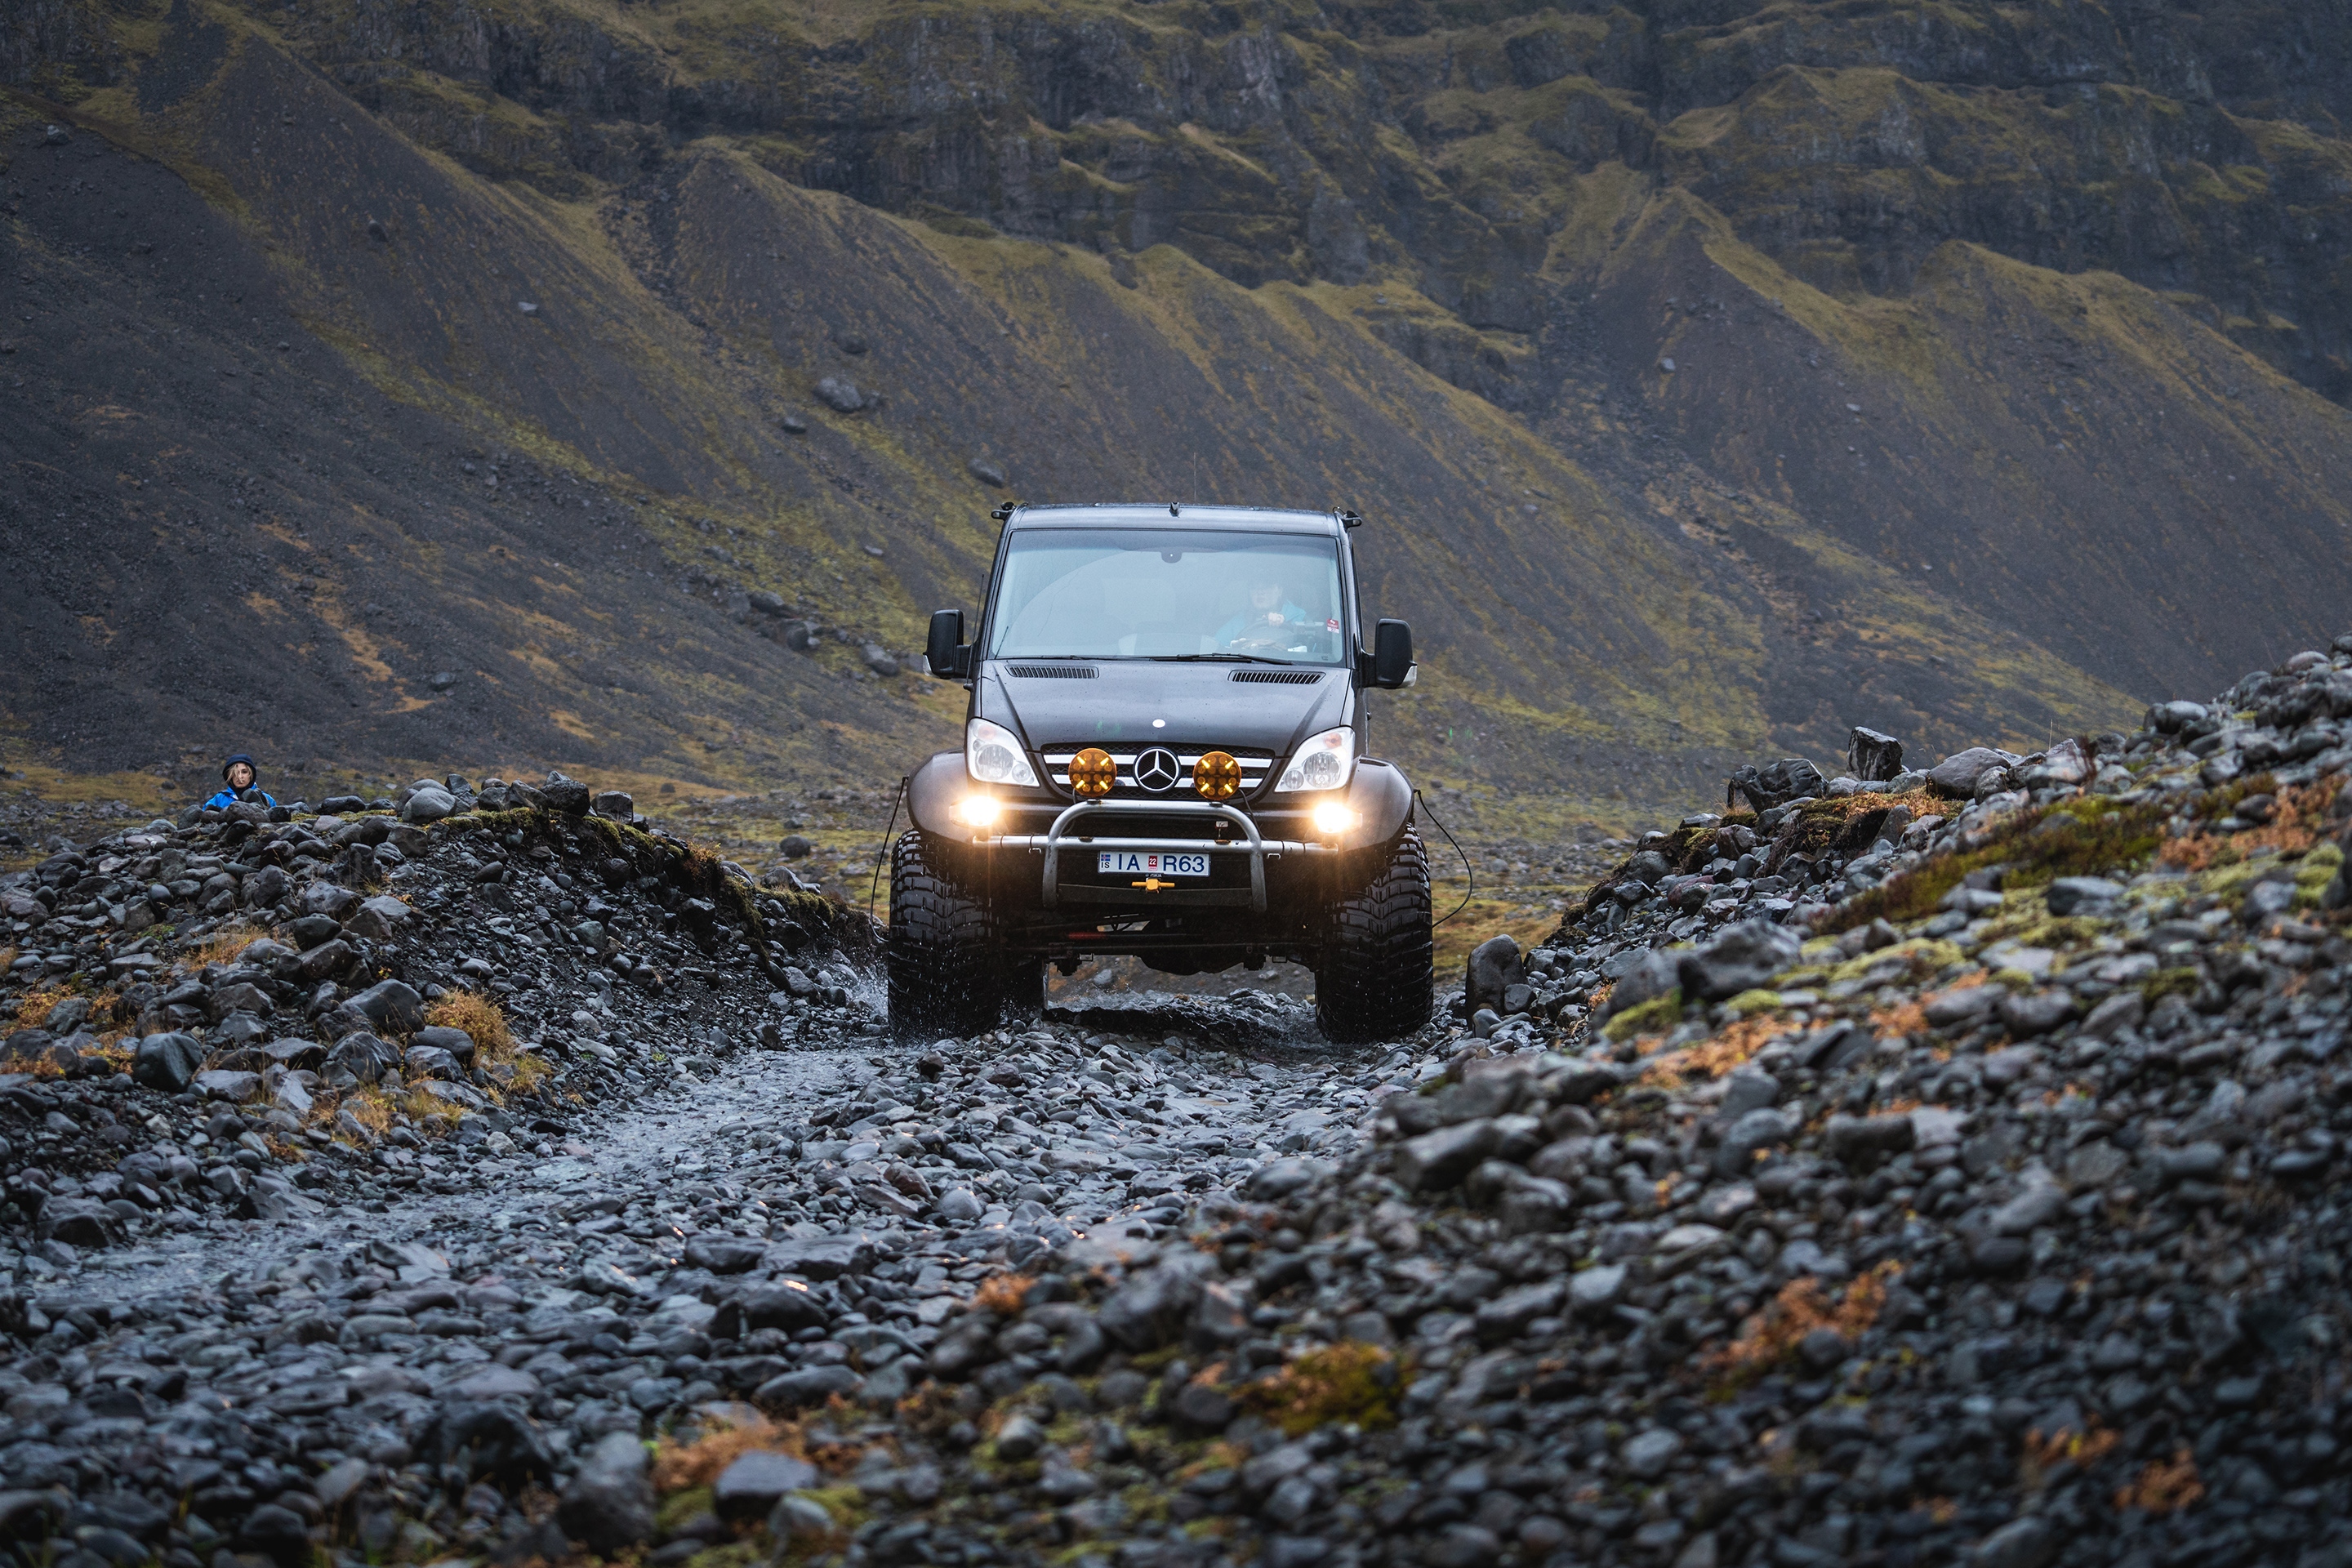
[[1163, 756]]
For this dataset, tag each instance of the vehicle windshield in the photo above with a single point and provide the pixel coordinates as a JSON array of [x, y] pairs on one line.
[[1126, 594]]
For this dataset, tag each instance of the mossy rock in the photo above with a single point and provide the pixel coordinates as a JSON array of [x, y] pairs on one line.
[[1656, 1016]]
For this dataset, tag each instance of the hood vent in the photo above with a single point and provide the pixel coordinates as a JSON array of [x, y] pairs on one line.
[[1053, 671], [1277, 676]]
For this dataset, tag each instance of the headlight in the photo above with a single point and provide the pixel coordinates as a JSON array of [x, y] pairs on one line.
[[1334, 818], [992, 755], [1321, 763], [979, 810]]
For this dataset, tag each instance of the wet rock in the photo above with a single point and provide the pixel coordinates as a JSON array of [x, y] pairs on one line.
[[752, 1485], [1872, 756], [1494, 966], [1961, 776], [167, 1062], [608, 1506], [1744, 957]]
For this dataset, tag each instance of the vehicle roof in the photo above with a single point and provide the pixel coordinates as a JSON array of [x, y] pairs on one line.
[[1179, 514]]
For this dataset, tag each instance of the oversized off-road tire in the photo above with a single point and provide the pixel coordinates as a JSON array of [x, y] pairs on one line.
[[1375, 980], [944, 953]]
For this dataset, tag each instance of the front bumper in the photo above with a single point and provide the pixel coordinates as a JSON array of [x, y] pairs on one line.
[[1068, 832]]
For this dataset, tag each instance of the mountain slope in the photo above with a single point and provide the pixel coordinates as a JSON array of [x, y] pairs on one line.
[[1903, 470]]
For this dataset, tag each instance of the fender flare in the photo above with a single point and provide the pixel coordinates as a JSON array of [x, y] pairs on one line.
[[1382, 797], [933, 791]]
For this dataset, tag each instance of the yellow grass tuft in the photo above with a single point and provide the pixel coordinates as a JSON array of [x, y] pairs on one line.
[[1003, 1293], [681, 1467], [220, 947], [33, 1007], [480, 1018], [2164, 1486], [1712, 1057], [1772, 1335], [2082, 1449]]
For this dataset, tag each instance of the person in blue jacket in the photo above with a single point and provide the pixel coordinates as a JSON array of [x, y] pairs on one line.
[[244, 785]]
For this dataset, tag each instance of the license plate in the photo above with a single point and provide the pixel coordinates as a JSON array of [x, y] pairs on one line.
[[1148, 863]]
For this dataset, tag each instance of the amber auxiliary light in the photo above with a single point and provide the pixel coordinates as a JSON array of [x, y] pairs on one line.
[[1092, 772], [1217, 776]]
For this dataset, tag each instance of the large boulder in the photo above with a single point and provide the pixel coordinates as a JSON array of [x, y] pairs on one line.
[[1958, 776], [457, 1042], [1742, 959], [360, 1058], [1792, 778], [391, 1007], [430, 803], [78, 1222], [1647, 978], [380, 916], [1496, 965], [564, 794], [1151, 1308], [167, 1062], [1873, 757]]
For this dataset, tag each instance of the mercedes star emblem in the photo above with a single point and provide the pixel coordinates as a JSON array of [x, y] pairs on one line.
[[1155, 769]]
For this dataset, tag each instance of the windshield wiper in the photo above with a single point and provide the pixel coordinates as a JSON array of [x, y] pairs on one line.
[[1213, 658]]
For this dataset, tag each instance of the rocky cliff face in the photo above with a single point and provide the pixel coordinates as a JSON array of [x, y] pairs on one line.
[[1950, 369]]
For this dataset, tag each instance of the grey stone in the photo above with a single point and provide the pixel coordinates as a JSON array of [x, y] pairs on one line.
[[1280, 1178], [1758, 1130], [2122, 1011], [608, 1506], [1873, 757], [429, 803], [1493, 966], [2037, 1013], [1648, 1454], [458, 1044], [429, 1062], [1441, 1159], [392, 1006], [1956, 778], [1597, 1288], [380, 917], [811, 1385], [756, 1481], [1149, 1309], [2080, 895], [1652, 975], [567, 795], [167, 1062], [840, 394], [361, 1056], [1743, 958]]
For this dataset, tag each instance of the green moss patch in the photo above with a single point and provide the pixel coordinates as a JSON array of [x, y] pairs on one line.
[[2088, 838]]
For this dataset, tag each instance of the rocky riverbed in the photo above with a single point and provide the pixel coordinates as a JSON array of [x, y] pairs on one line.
[[1937, 1166]]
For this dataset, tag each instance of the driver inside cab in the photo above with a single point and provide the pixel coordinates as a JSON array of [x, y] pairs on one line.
[[1270, 609]]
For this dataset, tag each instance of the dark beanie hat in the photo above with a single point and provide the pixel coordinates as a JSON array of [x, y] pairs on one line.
[[237, 758]]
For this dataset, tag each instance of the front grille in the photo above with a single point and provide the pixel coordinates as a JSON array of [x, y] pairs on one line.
[[1255, 766], [1277, 676], [1053, 671]]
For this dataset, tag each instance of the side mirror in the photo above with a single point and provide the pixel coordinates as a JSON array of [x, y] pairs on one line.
[[1392, 654], [949, 658]]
